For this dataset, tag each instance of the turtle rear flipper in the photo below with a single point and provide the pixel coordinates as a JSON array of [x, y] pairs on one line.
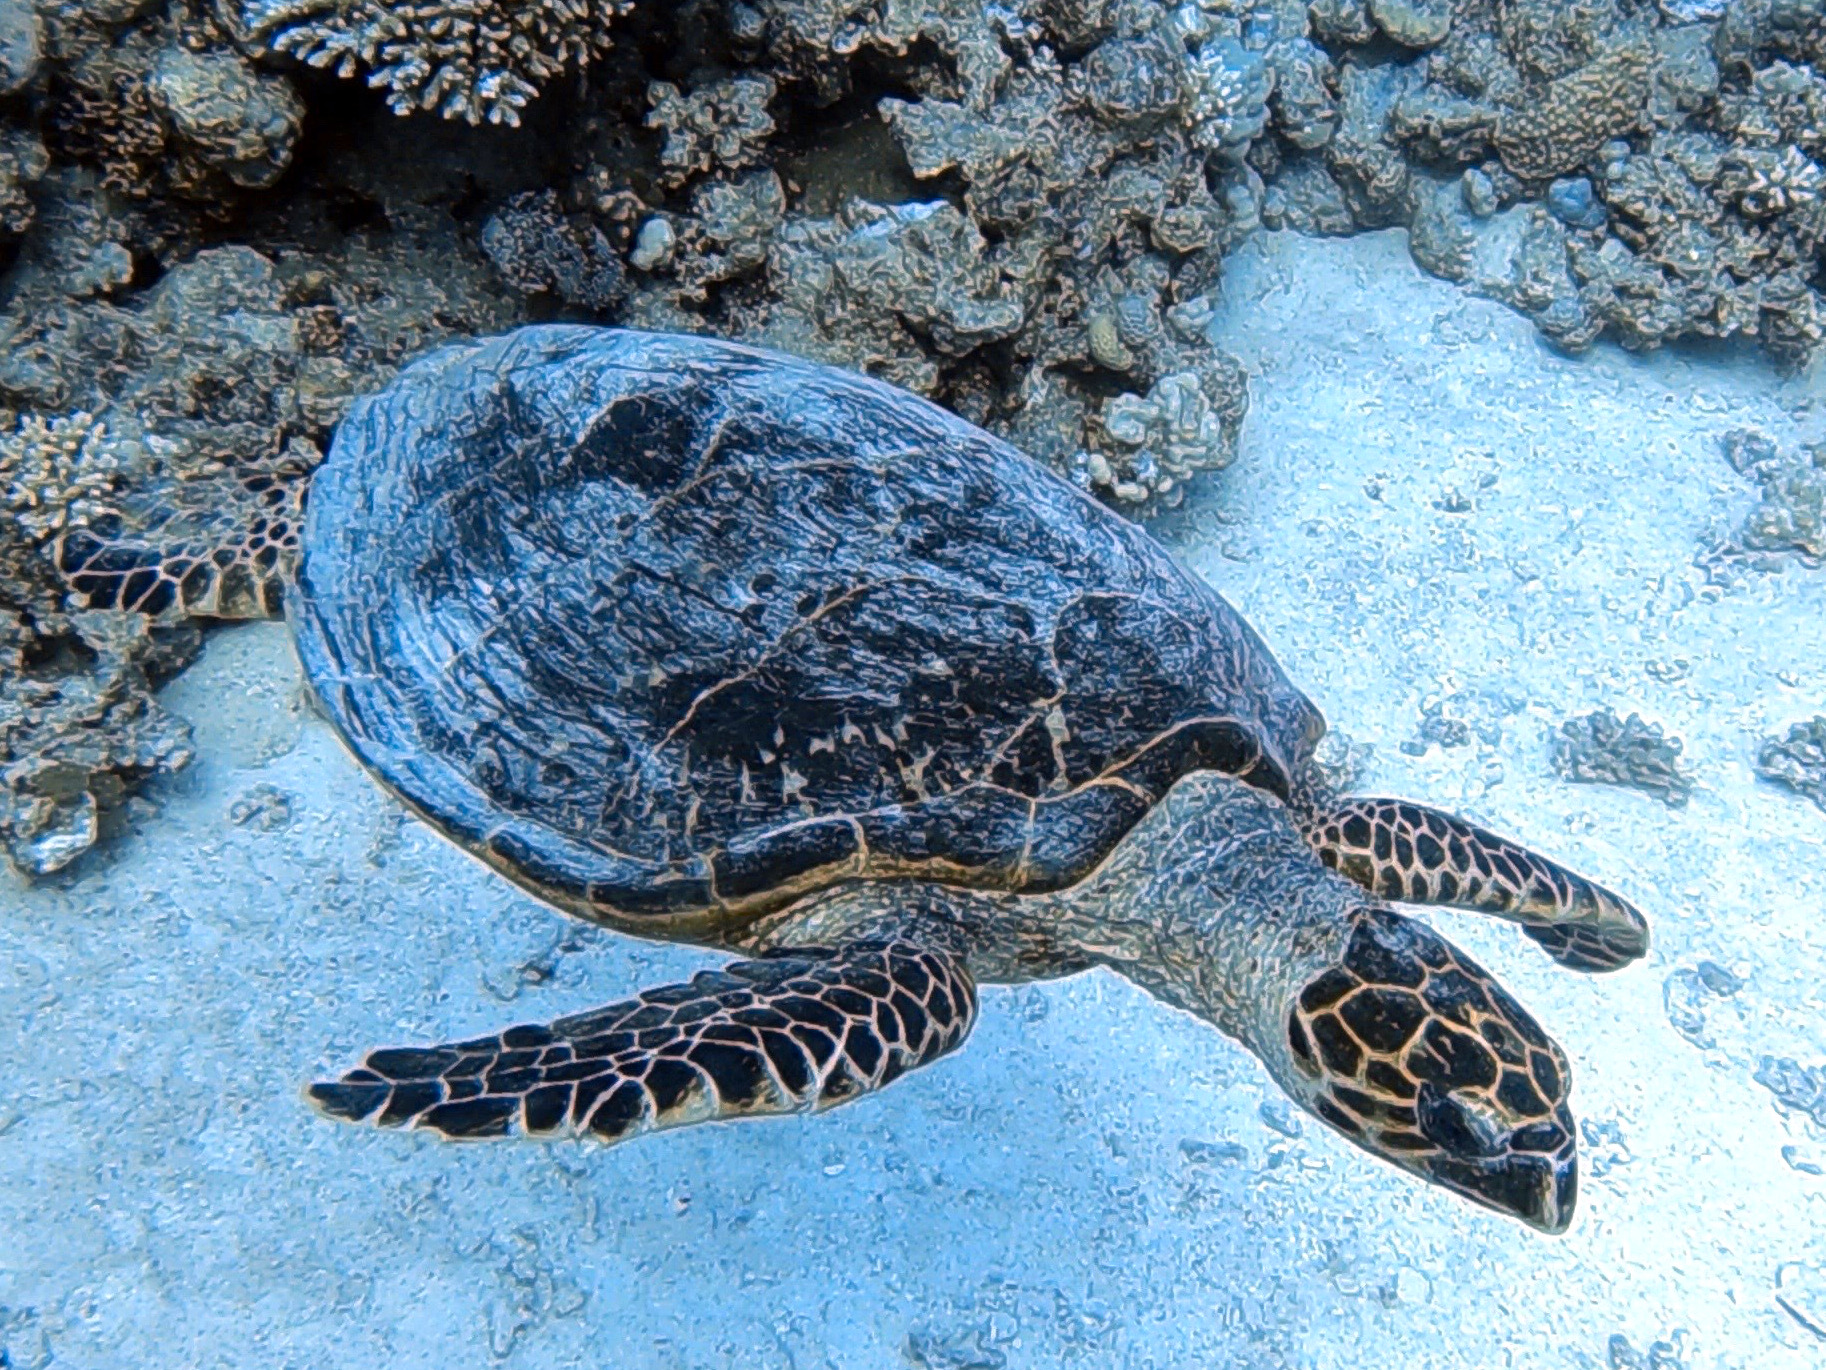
[[213, 547], [795, 1032], [1418, 855]]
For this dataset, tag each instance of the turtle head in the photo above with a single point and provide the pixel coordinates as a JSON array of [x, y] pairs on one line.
[[1415, 1053]]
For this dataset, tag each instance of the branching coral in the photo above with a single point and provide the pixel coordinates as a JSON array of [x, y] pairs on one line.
[[55, 473], [467, 59]]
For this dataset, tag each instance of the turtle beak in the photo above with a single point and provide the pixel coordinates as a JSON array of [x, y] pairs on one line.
[[1542, 1191]]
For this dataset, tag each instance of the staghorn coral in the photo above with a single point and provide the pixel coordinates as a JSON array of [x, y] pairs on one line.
[[477, 60]]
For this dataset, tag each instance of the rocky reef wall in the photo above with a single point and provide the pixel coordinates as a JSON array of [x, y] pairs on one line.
[[222, 219]]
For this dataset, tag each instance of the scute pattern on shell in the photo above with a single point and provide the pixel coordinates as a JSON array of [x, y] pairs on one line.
[[662, 625]]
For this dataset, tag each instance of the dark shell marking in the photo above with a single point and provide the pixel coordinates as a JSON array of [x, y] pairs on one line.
[[666, 626], [791, 1033]]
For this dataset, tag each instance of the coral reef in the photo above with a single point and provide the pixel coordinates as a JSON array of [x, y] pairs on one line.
[[1647, 172], [219, 227], [1600, 748], [1797, 759]]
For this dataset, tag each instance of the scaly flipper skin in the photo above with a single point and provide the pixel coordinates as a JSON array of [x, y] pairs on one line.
[[1418, 855], [796, 1032], [217, 548]]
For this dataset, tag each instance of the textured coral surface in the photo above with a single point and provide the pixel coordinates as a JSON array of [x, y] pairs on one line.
[[225, 219]]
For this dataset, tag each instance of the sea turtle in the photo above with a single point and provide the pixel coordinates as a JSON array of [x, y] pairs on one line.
[[717, 646]]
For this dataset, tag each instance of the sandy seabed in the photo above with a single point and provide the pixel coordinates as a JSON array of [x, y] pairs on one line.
[[1428, 505]]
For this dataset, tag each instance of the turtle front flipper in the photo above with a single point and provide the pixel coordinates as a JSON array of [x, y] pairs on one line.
[[797, 1031], [1418, 855], [221, 546]]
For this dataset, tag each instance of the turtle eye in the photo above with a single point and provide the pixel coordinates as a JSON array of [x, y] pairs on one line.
[[1459, 1126]]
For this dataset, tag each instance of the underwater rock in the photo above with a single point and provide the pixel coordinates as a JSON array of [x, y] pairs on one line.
[[653, 245], [239, 121], [1600, 748], [1570, 200], [1797, 759]]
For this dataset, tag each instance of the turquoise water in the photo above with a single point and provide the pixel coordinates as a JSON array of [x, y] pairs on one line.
[[1431, 512]]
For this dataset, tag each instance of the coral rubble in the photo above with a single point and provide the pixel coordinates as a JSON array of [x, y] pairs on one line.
[[1600, 748], [1791, 516], [1797, 759]]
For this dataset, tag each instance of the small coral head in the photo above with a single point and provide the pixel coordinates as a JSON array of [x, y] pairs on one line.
[[1413, 1051]]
